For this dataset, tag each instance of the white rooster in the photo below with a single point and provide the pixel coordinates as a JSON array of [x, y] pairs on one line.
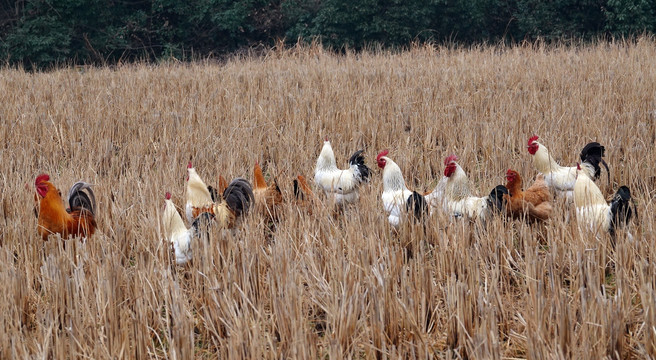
[[397, 198], [592, 210], [340, 185], [559, 178]]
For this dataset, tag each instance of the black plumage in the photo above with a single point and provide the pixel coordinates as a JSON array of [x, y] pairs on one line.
[[357, 159], [620, 208], [593, 154], [297, 191], [81, 197], [495, 199], [201, 225], [239, 196], [417, 206]]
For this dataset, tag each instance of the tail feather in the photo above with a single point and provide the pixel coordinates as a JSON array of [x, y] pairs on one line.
[[495, 199], [82, 197], [301, 188], [620, 208], [593, 154], [417, 204], [357, 159], [239, 196], [223, 184], [258, 181], [297, 190]]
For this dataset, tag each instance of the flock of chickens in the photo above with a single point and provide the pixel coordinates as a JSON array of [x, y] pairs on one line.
[[226, 205]]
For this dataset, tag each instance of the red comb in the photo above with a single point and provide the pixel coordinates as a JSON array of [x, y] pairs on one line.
[[189, 165], [450, 158], [168, 195], [578, 166], [381, 154], [509, 172], [325, 138], [41, 178], [532, 139]]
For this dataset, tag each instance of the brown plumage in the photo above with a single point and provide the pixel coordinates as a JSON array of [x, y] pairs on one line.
[[268, 198], [305, 198], [533, 203], [223, 184], [54, 218]]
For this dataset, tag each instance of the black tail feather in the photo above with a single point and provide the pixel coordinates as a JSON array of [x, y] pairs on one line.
[[297, 191], [357, 159], [239, 196], [495, 200], [417, 205], [620, 208], [593, 154], [81, 197]]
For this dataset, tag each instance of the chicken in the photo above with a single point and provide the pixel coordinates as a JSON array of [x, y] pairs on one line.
[[561, 179], [340, 185], [54, 218], [268, 198], [177, 234], [458, 200], [592, 210], [533, 203], [235, 201], [305, 198], [397, 198], [200, 197]]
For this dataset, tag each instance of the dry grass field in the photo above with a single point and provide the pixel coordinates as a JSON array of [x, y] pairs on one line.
[[329, 285]]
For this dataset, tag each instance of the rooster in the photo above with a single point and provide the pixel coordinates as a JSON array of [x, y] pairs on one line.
[[226, 208], [340, 185], [268, 198], [397, 199], [533, 203], [458, 199], [177, 234], [593, 211], [561, 179], [54, 218]]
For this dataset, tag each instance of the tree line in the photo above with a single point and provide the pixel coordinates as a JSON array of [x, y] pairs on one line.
[[44, 33]]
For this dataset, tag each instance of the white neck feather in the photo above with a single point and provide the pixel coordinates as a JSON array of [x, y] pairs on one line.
[[392, 176], [326, 160], [197, 192], [172, 222], [543, 161], [458, 184]]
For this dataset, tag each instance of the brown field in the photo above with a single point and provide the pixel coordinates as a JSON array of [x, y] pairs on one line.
[[327, 286]]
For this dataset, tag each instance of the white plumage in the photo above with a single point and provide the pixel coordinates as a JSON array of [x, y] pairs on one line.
[[176, 232], [340, 185], [458, 199], [395, 193], [559, 178], [592, 210]]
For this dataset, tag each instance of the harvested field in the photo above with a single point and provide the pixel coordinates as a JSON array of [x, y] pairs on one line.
[[328, 285]]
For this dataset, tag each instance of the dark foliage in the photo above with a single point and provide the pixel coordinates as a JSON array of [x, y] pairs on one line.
[[44, 33]]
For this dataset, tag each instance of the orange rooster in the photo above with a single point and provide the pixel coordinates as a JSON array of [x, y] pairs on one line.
[[534, 202], [54, 218], [268, 198]]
